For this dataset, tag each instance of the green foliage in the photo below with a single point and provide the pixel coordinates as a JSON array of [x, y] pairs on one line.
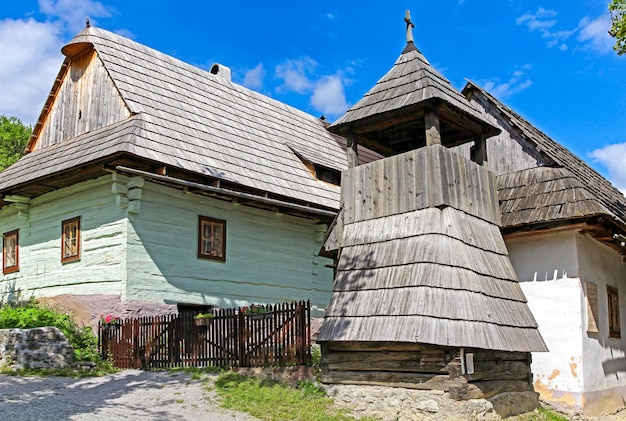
[[268, 400], [14, 136], [618, 25], [30, 314]]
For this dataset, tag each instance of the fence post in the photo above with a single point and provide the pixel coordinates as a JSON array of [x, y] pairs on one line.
[[241, 338]]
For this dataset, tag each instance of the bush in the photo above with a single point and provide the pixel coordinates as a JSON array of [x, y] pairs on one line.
[[30, 314]]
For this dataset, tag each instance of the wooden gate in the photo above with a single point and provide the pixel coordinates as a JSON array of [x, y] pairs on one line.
[[279, 336]]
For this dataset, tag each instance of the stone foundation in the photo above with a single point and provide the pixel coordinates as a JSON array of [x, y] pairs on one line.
[[392, 403], [41, 347]]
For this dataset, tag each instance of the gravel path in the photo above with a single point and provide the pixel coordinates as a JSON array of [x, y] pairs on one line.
[[128, 395]]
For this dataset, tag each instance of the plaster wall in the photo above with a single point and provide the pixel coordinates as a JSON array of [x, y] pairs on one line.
[[100, 269], [605, 357], [547, 270], [269, 257]]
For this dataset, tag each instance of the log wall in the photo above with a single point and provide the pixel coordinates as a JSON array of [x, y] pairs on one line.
[[464, 373]]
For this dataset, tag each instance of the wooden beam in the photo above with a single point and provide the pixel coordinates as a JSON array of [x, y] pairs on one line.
[[432, 129], [480, 149], [352, 150]]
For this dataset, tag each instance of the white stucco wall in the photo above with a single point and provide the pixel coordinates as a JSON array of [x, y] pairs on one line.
[[547, 270], [583, 371], [605, 358]]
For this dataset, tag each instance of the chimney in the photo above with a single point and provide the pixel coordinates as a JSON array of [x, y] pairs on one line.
[[221, 71]]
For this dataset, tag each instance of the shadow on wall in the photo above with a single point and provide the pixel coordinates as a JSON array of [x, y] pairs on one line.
[[10, 294], [614, 366]]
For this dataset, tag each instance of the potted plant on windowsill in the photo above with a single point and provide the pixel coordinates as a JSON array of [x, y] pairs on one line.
[[203, 319]]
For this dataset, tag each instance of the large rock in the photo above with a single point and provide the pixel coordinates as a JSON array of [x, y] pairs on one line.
[[41, 347]]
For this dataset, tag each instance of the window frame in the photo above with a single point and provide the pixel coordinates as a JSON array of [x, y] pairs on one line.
[[67, 258], [16, 267], [201, 254], [612, 295]]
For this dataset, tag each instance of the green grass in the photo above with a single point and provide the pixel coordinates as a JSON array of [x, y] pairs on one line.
[[268, 400], [543, 414]]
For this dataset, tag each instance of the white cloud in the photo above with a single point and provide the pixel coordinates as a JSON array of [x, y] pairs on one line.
[[592, 33], [295, 75], [329, 96], [516, 83], [31, 53], [72, 13], [613, 158], [327, 91], [538, 20], [31, 58], [596, 34], [253, 78]]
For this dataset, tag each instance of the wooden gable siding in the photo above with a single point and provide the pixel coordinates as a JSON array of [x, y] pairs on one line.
[[422, 178], [507, 152], [103, 231], [86, 100], [269, 257]]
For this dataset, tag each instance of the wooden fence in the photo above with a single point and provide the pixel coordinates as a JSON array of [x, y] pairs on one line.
[[281, 336]]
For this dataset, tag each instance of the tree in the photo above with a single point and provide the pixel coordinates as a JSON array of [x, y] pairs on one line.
[[618, 25], [13, 138]]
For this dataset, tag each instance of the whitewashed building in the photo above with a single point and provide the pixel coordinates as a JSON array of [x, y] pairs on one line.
[[564, 226]]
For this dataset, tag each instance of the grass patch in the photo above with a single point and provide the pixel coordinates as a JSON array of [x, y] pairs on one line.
[[269, 400], [542, 414], [548, 414]]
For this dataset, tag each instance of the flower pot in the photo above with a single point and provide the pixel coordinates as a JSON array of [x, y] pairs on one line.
[[260, 316], [203, 322], [109, 327]]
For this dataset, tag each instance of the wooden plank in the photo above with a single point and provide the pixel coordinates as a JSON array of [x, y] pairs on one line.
[[423, 381], [501, 370], [370, 346], [488, 389], [367, 357], [387, 366], [483, 355]]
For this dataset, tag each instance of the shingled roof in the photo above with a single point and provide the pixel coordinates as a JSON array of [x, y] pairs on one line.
[[402, 96], [187, 118], [566, 188]]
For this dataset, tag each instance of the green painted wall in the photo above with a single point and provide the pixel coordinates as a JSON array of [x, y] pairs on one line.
[[269, 257], [151, 255], [103, 226]]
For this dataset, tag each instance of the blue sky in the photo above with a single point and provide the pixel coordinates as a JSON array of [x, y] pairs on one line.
[[551, 61]]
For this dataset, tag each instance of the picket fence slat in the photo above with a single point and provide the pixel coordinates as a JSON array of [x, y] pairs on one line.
[[281, 336]]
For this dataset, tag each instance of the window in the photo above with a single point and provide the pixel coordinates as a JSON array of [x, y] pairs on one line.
[[327, 174], [614, 324], [212, 238], [10, 252], [70, 240], [591, 293]]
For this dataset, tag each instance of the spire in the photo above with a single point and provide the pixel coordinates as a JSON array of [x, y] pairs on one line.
[[409, 27], [87, 24]]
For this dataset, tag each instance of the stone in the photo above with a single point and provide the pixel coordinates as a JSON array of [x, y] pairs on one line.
[[36, 348], [429, 405], [514, 403]]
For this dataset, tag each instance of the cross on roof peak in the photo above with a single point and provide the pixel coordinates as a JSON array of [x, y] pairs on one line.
[[409, 27]]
